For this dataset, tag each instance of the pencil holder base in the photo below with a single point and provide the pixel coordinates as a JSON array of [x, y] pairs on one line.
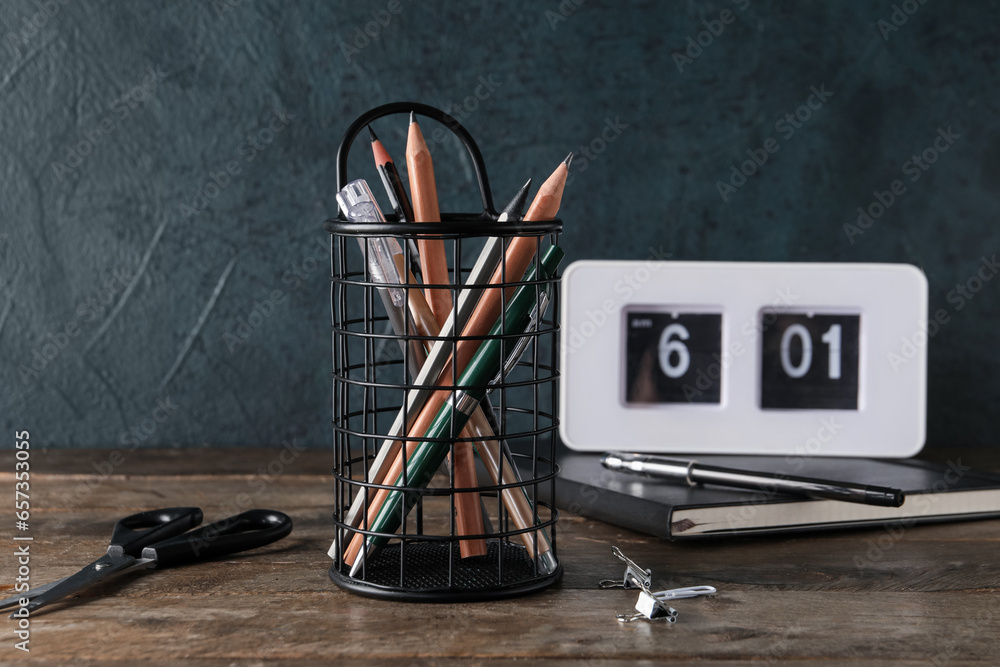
[[510, 573]]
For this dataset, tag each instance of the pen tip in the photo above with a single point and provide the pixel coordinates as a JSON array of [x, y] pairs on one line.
[[413, 118], [569, 158], [371, 133]]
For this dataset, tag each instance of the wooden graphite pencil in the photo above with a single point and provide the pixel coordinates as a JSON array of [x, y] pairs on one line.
[[390, 179], [468, 513], [517, 259], [423, 318], [414, 325], [488, 259], [423, 190], [501, 471], [485, 263], [468, 517], [414, 442]]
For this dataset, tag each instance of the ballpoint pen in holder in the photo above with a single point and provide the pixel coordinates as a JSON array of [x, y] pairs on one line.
[[387, 404]]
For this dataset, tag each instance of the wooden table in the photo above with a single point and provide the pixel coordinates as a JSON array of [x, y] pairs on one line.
[[927, 595]]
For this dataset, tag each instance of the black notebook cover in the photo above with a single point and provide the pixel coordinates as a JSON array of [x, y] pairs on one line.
[[947, 492]]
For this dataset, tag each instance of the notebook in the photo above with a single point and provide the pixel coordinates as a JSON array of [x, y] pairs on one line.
[[945, 492]]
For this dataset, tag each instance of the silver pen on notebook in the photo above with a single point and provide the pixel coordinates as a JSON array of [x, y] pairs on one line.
[[694, 473]]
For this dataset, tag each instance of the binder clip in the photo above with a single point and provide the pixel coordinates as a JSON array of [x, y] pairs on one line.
[[650, 605], [649, 608], [635, 576]]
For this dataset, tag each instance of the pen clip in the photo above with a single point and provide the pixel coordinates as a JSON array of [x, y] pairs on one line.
[[533, 322], [357, 203]]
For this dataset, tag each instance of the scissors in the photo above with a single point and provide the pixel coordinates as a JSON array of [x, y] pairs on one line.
[[160, 538]]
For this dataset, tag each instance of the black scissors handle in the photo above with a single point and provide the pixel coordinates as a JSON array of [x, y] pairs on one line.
[[137, 531], [251, 529], [157, 538]]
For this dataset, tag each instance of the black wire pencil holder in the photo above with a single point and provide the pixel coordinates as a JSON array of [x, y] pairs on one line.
[[373, 377]]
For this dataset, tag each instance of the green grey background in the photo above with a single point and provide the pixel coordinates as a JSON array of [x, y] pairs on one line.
[[165, 169]]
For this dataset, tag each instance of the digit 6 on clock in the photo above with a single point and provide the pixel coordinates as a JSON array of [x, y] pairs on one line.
[[669, 347], [672, 357]]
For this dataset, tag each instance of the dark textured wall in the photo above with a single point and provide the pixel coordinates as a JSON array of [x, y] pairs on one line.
[[165, 169]]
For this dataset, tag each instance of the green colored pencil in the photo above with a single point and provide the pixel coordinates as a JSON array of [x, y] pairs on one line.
[[481, 370]]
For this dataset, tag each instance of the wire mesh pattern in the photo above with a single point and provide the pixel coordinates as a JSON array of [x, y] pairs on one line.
[[386, 381], [373, 374]]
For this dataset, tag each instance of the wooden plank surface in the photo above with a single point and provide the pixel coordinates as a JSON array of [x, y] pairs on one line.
[[927, 594]]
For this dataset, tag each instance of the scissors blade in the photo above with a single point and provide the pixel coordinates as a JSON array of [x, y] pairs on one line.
[[105, 567], [30, 594], [34, 592]]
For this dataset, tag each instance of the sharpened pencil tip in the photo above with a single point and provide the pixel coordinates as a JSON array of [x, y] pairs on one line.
[[513, 210], [569, 158], [413, 118], [371, 133]]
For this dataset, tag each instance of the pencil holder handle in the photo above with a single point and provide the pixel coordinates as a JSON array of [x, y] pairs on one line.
[[430, 112]]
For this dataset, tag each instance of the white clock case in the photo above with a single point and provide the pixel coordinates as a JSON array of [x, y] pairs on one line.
[[892, 382]]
